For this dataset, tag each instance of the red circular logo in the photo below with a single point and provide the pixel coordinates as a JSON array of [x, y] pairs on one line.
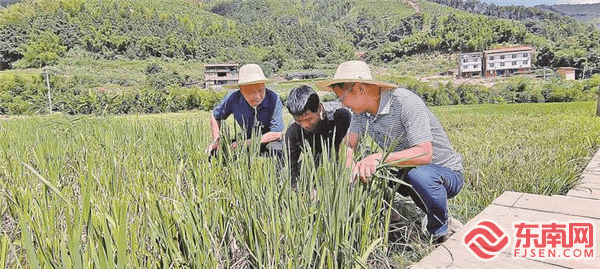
[[486, 239]]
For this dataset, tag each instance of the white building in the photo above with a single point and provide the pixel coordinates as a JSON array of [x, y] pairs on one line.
[[506, 61], [217, 75], [470, 64]]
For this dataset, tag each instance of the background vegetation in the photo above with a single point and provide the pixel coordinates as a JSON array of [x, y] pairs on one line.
[[145, 56], [520, 89], [278, 34]]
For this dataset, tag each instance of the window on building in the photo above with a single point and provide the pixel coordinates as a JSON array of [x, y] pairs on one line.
[[525, 55], [491, 64], [476, 66], [464, 67], [514, 63], [525, 62], [222, 74], [491, 58], [501, 57], [464, 60], [501, 64], [514, 56]]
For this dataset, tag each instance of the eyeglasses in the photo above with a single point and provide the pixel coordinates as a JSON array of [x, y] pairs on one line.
[[346, 93]]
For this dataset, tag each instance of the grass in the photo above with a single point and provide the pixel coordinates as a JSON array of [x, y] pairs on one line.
[[137, 191], [536, 148], [421, 65], [123, 74]]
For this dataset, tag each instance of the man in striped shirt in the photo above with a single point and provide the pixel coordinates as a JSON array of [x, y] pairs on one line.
[[398, 120]]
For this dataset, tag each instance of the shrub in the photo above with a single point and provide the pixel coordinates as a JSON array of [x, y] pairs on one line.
[[20, 95], [41, 50]]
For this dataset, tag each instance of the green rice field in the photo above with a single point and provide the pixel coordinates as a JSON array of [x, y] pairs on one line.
[[139, 192]]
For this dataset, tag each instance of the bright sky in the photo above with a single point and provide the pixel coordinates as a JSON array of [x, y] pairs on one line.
[[529, 3]]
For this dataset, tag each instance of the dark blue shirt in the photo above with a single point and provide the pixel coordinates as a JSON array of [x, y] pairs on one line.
[[268, 115]]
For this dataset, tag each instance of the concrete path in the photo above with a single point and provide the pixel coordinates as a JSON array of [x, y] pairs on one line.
[[581, 203]]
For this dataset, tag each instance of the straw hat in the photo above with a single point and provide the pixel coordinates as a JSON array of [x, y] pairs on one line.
[[251, 74], [353, 71]]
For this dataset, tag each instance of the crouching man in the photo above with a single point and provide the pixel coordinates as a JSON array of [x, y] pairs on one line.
[[317, 125], [392, 115], [255, 108]]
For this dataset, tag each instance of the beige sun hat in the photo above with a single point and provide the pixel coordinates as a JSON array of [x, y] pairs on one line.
[[251, 74], [353, 71]]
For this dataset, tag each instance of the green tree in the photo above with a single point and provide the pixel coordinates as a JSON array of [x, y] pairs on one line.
[[41, 50]]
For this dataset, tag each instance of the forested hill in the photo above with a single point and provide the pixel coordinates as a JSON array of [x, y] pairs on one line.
[[520, 13], [589, 13], [279, 34]]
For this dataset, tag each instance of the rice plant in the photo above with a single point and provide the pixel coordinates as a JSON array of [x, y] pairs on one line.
[[139, 191], [115, 193]]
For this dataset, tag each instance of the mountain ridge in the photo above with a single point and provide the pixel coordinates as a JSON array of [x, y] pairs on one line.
[[589, 13]]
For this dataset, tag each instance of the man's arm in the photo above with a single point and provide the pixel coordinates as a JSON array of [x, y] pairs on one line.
[[215, 127], [276, 124], [266, 138], [419, 154], [293, 138], [220, 112], [270, 136]]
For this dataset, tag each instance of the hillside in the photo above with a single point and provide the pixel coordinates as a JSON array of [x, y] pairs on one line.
[[8, 2], [281, 35], [588, 13]]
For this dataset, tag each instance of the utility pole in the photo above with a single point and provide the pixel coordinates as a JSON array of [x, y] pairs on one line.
[[49, 96], [598, 104]]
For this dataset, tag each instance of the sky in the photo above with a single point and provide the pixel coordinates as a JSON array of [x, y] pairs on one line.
[[529, 3]]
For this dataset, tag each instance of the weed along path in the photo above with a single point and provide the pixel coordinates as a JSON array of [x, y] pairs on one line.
[[563, 231]]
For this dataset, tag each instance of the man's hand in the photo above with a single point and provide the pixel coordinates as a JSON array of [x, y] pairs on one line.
[[212, 146], [367, 167], [235, 145]]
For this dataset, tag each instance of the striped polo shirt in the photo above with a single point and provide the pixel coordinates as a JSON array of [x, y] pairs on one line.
[[404, 119]]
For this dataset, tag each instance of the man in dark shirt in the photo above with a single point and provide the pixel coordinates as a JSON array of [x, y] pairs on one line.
[[255, 108], [315, 123]]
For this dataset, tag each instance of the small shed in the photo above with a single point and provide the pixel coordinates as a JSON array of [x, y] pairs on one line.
[[567, 72]]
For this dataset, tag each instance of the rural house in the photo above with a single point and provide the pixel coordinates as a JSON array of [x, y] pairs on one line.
[[469, 64], [507, 61], [216, 75]]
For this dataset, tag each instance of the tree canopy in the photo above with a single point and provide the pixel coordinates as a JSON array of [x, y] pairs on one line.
[[279, 34]]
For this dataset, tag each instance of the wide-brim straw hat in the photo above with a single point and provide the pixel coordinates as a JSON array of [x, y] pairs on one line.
[[353, 71], [251, 74]]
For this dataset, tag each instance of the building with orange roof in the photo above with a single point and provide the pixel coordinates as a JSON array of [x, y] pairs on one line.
[[506, 61]]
